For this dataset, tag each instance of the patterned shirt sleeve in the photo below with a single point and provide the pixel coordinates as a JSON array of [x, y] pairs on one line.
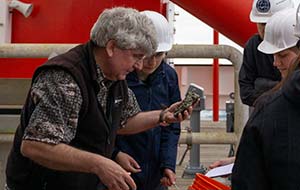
[[132, 108], [58, 100]]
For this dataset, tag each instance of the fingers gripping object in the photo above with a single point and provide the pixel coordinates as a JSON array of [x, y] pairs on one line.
[[191, 97]]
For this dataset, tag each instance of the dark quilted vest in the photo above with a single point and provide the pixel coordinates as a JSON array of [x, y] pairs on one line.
[[95, 131]]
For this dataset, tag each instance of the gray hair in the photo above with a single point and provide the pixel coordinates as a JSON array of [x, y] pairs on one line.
[[127, 27]]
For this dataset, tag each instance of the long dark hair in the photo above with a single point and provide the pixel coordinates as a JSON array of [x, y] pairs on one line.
[[278, 86], [291, 69]]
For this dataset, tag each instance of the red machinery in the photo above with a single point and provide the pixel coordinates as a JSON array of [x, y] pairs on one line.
[[70, 21], [59, 21], [231, 18]]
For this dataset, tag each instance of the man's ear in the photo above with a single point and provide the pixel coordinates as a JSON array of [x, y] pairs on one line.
[[110, 48]]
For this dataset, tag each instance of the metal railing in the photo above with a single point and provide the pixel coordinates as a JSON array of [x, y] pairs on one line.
[[241, 111], [178, 51], [16, 89]]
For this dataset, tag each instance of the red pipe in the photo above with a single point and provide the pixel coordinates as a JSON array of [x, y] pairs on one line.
[[216, 82], [229, 17]]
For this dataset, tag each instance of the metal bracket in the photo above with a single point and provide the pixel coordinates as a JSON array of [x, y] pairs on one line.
[[189, 144], [5, 22]]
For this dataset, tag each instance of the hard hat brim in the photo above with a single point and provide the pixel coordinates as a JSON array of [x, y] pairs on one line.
[[258, 19], [269, 48], [164, 47]]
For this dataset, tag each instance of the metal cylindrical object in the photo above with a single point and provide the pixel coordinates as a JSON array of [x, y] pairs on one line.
[[6, 138], [207, 138], [195, 150], [178, 51], [32, 50]]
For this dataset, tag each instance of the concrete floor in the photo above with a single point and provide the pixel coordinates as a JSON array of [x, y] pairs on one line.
[[208, 155]]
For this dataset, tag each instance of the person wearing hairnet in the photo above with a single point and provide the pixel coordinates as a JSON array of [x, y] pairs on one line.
[[151, 155]]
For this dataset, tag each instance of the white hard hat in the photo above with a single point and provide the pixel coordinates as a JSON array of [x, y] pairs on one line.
[[279, 32], [262, 10], [163, 29], [297, 25]]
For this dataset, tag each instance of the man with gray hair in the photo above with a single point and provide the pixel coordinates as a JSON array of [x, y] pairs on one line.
[[77, 103]]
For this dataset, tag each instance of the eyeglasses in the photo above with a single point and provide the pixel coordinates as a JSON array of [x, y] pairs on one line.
[[156, 55], [138, 57]]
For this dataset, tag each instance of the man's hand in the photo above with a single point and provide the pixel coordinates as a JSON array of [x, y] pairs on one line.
[[113, 176], [169, 178], [167, 115], [143, 121], [66, 158], [127, 162]]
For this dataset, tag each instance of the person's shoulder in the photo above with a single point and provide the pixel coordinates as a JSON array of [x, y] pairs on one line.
[[271, 102], [56, 74], [169, 72], [291, 88], [168, 68], [132, 77], [253, 41]]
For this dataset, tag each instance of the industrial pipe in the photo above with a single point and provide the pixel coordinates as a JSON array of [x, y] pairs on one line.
[[207, 138], [6, 138], [215, 79], [32, 50], [219, 51], [185, 138], [178, 51]]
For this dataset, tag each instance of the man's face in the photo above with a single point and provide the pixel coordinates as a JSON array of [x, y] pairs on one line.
[[123, 62], [150, 64], [284, 59]]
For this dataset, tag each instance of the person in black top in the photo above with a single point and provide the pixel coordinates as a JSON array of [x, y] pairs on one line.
[[268, 157], [257, 74]]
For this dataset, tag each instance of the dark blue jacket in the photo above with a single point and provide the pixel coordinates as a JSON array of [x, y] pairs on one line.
[[156, 148]]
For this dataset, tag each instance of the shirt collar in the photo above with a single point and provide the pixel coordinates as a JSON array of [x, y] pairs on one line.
[[103, 82]]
